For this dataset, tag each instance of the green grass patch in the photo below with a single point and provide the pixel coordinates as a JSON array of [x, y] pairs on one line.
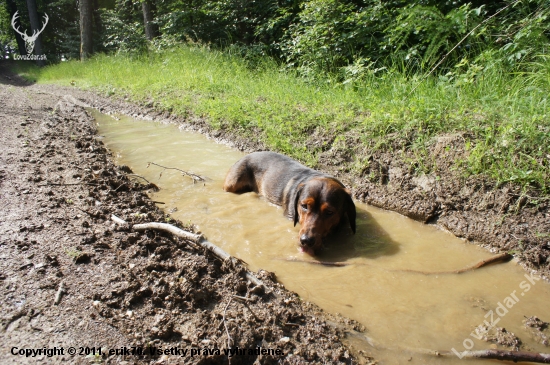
[[502, 118]]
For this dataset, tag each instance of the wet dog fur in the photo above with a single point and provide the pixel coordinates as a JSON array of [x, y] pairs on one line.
[[317, 200]]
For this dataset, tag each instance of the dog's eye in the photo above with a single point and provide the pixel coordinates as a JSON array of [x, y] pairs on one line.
[[329, 213], [304, 206]]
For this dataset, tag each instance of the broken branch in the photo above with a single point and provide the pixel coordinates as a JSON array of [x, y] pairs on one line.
[[138, 176], [491, 354], [491, 260], [229, 340], [195, 238], [245, 303], [59, 294], [193, 176], [504, 355]]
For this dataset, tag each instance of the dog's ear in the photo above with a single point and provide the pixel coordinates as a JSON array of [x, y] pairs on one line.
[[350, 210], [299, 189]]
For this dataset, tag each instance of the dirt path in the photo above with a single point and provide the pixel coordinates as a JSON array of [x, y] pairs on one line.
[[121, 289]]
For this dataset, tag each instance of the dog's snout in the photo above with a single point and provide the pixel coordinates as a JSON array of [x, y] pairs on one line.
[[306, 240]]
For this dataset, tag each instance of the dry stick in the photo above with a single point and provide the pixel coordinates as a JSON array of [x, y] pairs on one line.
[[85, 211], [458, 44], [229, 340], [491, 260], [141, 177], [245, 303], [497, 258], [151, 185], [197, 239], [59, 294], [195, 177], [322, 263], [67, 184], [118, 220], [168, 228], [492, 354], [504, 355], [244, 299]]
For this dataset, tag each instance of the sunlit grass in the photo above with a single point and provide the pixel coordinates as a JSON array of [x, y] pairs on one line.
[[502, 118]]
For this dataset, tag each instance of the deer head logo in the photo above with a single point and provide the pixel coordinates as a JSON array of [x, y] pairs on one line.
[[29, 41]]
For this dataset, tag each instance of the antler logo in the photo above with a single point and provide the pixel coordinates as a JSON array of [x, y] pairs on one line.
[[29, 41]]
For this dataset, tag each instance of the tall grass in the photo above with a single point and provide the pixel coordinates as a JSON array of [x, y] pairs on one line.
[[503, 118]]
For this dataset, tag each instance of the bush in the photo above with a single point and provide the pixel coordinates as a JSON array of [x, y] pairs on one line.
[[123, 36], [330, 34]]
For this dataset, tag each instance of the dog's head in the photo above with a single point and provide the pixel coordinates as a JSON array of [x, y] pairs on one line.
[[320, 205]]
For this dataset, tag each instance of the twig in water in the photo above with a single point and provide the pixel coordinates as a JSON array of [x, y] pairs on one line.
[[503, 355], [322, 263], [193, 176], [491, 260]]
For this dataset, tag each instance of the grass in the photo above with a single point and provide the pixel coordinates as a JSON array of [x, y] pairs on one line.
[[502, 118]]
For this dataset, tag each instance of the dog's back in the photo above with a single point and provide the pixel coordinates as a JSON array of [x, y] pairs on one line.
[[269, 174]]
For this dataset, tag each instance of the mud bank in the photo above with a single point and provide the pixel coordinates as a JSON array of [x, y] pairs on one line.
[[71, 277]]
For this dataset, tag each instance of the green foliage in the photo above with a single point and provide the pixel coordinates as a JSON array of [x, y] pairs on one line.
[[342, 39], [216, 22], [501, 118], [331, 34], [525, 32], [425, 33], [6, 38], [121, 36]]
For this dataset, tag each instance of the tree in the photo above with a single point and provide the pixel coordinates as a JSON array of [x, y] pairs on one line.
[[151, 30], [12, 9], [36, 26], [86, 21]]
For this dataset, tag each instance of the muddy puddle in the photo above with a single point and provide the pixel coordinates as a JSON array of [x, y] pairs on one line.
[[400, 309]]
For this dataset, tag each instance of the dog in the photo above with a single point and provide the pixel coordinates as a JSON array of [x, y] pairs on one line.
[[317, 200]]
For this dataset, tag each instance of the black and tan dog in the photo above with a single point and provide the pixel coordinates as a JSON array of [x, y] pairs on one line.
[[316, 200]]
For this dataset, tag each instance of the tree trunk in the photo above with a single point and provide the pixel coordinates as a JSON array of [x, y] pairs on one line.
[[12, 9], [98, 27], [151, 30], [36, 26], [86, 21]]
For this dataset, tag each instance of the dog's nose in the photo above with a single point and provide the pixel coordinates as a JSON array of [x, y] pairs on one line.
[[306, 240]]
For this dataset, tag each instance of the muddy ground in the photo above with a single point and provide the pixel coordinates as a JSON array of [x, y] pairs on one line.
[[59, 188], [70, 277]]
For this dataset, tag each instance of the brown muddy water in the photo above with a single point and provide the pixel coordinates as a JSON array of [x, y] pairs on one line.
[[401, 310]]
